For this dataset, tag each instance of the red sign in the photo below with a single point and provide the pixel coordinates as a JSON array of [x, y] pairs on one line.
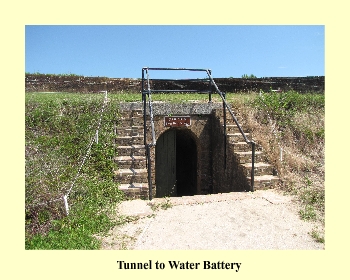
[[177, 121]]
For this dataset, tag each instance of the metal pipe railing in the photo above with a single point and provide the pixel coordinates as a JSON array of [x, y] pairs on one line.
[[222, 95], [187, 69], [225, 106], [180, 90], [144, 109], [148, 146], [150, 109], [225, 133]]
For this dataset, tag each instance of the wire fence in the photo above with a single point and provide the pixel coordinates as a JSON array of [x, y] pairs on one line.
[[94, 139]]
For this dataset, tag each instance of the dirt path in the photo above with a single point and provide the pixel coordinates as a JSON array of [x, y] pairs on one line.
[[233, 221]]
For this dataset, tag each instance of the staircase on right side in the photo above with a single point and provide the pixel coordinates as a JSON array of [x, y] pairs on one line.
[[238, 158]]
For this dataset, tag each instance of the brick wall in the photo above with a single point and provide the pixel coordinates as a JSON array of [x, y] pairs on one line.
[[206, 130]]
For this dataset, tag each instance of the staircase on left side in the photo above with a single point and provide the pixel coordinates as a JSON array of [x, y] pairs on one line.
[[131, 157]]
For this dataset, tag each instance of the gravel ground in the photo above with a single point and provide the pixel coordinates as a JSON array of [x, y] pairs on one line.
[[263, 220]]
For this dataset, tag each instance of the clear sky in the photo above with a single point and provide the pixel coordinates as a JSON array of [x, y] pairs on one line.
[[120, 51]]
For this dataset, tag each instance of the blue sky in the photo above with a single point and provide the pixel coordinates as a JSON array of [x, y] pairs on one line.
[[120, 51]]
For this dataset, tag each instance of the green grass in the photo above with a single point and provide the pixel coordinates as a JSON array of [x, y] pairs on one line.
[[172, 98], [308, 213], [59, 130], [164, 205], [296, 123], [316, 236], [282, 107], [59, 127]]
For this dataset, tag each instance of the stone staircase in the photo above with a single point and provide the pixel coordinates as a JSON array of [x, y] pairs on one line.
[[131, 157], [264, 173], [132, 172]]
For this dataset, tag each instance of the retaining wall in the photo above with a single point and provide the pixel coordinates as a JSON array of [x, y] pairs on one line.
[[55, 83]]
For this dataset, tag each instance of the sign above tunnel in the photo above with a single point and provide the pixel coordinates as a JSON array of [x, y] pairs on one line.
[[177, 121]]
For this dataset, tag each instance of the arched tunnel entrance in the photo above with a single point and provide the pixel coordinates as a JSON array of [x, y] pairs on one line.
[[176, 163]]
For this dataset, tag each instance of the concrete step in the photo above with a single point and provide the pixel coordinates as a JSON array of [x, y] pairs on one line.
[[137, 140], [129, 140], [131, 175], [246, 157], [241, 147], [124, 141], [137, 121], [131, 150], [128, 122], [124, 122], [220, 113], [132, 113], [264, 181], [134, 187], [231, 128], [130, 131], [135, 190], [230, 121], [137, 162], [260, 168], [237, 137], [124, 131]]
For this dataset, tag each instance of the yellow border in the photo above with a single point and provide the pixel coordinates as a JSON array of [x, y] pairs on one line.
[[16, 262]]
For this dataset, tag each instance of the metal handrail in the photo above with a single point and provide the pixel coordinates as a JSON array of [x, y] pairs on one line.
[[149, 94], [251, 142], [148, 146]]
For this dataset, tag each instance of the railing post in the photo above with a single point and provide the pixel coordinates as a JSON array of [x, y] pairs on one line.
[[144, 120], [211, 87], [142, 87], [152, 121], [148, 149], [144, 108], [225, 133], [150, 107], [252, 171], [148, 146]]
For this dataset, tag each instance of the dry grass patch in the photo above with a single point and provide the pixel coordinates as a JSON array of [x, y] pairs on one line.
[[289, 127]]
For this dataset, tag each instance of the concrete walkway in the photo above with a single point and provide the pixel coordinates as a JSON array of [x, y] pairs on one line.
[[263, 220]]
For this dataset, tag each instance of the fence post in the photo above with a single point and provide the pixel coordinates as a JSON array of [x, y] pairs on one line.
[[225, 133], [66, 204]]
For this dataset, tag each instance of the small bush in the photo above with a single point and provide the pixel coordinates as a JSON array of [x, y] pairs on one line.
[[316, 236], [308, 213]]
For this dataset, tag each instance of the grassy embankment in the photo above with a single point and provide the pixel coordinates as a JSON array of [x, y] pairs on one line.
[[59, 128], [290, 128]]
